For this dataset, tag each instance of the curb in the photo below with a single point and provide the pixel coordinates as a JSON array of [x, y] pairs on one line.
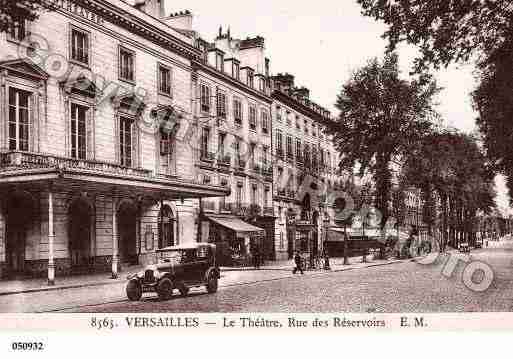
[[48, 289]]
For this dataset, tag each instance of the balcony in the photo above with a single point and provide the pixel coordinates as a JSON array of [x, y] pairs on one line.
[[26, 160], [207, 156], [224, 160]]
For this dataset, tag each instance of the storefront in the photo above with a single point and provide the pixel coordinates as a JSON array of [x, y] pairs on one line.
[[237, 241]]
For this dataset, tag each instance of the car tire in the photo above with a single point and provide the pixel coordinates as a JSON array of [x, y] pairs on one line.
[[133, 290], [165, 289], [184, 290], [212, 284]]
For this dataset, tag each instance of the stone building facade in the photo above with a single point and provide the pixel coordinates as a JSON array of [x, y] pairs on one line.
[[96, 167], [305, 169], [234, 131]]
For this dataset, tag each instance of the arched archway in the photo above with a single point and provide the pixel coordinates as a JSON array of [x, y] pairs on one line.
[[19, 210], [166, 227], [80, 214], [127, 232]]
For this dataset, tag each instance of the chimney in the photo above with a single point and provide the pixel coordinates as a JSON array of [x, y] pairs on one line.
[[155, 8], [180, 20], [283, 81], [302, 92]]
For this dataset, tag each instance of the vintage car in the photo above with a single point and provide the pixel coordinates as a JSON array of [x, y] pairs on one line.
[[464, 247], [178, 267], [478, 243]]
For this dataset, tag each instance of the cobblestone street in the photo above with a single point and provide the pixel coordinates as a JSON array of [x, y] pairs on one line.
[[398, 287]]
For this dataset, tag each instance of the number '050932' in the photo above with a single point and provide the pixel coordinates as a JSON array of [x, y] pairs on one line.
[[27, 346]]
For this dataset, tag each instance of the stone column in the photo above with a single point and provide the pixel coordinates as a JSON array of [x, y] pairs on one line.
[[51, 237], [115, 255]]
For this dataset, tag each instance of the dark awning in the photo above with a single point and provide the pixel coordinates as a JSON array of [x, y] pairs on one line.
[[241, 228]]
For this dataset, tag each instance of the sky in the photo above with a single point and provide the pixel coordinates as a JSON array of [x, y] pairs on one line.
[[321, 43]]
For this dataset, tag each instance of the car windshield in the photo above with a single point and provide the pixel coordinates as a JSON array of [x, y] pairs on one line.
[[173, 257]]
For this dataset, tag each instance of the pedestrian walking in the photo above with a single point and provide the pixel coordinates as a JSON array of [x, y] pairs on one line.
[[326, 260], [256, 258], [299, 264]]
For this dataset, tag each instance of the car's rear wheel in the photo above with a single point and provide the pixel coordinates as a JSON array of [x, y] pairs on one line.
[[165, 289], [133, 290], [212, 284]]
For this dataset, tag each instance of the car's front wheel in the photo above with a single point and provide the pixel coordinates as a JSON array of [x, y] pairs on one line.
[[165, 289], [134, 290], [212, 284]]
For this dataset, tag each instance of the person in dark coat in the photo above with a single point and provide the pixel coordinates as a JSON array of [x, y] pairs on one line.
[[298, 262], [326, 260]]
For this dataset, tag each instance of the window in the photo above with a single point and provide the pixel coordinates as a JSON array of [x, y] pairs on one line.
[[78, 131], [298, 150], [261, 84], [220, 61], [250, 78], [19, 118], [253, 194], [265, 122], [221, 104], [79, 46], [237, 111], [298, 126], [252, 117], [290, 152], [288, 118], [126, 64], [205, 98], [17, 29], [306, 127], [306, 155], [236, 70], [264, 155], [205, 138], [164, 80], [278, 113], [238, 194], [314, 158], [125, 141], [220, 144], [165, 143], [266, 196], [252, 154], [279, 144]]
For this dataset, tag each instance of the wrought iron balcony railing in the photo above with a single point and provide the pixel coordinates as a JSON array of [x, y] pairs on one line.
[[28, 160]]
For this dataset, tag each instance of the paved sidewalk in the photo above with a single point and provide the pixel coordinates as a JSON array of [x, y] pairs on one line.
[[229, 276]]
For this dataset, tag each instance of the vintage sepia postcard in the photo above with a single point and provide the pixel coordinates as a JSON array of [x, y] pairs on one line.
[[332, 166]]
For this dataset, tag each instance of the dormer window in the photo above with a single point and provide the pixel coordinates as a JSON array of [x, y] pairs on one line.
[[251, 78], [261, 84], [236, 70], [220, 61]]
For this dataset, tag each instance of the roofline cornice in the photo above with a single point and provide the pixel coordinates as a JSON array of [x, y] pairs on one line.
[[141, 27]]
